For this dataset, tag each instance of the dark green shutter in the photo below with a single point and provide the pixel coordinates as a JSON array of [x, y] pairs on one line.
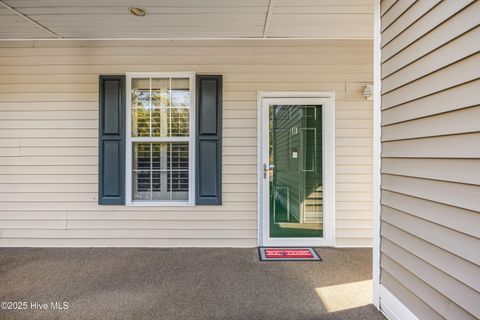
[[111, 144], [209, 141]]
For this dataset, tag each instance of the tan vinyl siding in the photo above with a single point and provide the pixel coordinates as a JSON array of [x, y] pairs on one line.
[[49, 131], [430, 216]]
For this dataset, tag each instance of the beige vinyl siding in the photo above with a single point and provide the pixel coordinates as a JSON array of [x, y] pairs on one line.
[[430, 216], [49, 131]]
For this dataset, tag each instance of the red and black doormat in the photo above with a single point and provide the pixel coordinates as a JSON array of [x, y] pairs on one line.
[[288, 254]]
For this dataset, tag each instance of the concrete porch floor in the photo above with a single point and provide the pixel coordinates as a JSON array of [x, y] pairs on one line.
[[188, 283]]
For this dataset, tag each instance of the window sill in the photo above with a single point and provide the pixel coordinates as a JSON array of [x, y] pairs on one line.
[[159, 204]]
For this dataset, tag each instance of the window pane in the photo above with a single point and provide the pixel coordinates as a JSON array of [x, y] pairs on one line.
[[141, 93], [140, 107], [179, 171], [180, 122], [141, 185], [160, 94], [160, 171], [179, 185], [180, 92], [141, 177], [179, 159], [140, 122], [160, 122], [141, 156], [160, 186], [160, 156]]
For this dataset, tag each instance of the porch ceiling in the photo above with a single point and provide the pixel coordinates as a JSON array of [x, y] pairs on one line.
[[195, 19]]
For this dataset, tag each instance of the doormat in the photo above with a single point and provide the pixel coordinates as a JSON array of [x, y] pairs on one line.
[[288, 254]]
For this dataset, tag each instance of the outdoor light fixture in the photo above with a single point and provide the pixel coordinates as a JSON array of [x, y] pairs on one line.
[[139, 12], [368, 92]]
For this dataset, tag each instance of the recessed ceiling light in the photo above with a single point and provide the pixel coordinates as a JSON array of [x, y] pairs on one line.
[[139, 12]]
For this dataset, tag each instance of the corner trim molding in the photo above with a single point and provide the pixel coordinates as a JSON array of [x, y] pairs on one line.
[[393, 308], [377, 150]]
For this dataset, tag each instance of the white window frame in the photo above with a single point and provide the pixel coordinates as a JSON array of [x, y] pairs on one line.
[[129, 140]]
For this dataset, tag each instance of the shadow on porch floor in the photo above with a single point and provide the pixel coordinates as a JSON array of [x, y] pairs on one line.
[[189, 283]]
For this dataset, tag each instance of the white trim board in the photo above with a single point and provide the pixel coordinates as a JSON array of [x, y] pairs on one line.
[[377, 149], [328, 100], [393, 308], [187, 39]]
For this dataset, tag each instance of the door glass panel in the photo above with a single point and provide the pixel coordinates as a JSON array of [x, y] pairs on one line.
[[295, 156]]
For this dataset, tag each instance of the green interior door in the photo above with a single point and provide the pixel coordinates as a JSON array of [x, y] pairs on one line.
[[295, 156]]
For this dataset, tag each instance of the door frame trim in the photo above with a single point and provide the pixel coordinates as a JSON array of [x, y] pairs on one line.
[[328, 170]]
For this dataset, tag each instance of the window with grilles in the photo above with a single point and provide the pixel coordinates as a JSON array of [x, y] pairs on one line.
[[160, 139]]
